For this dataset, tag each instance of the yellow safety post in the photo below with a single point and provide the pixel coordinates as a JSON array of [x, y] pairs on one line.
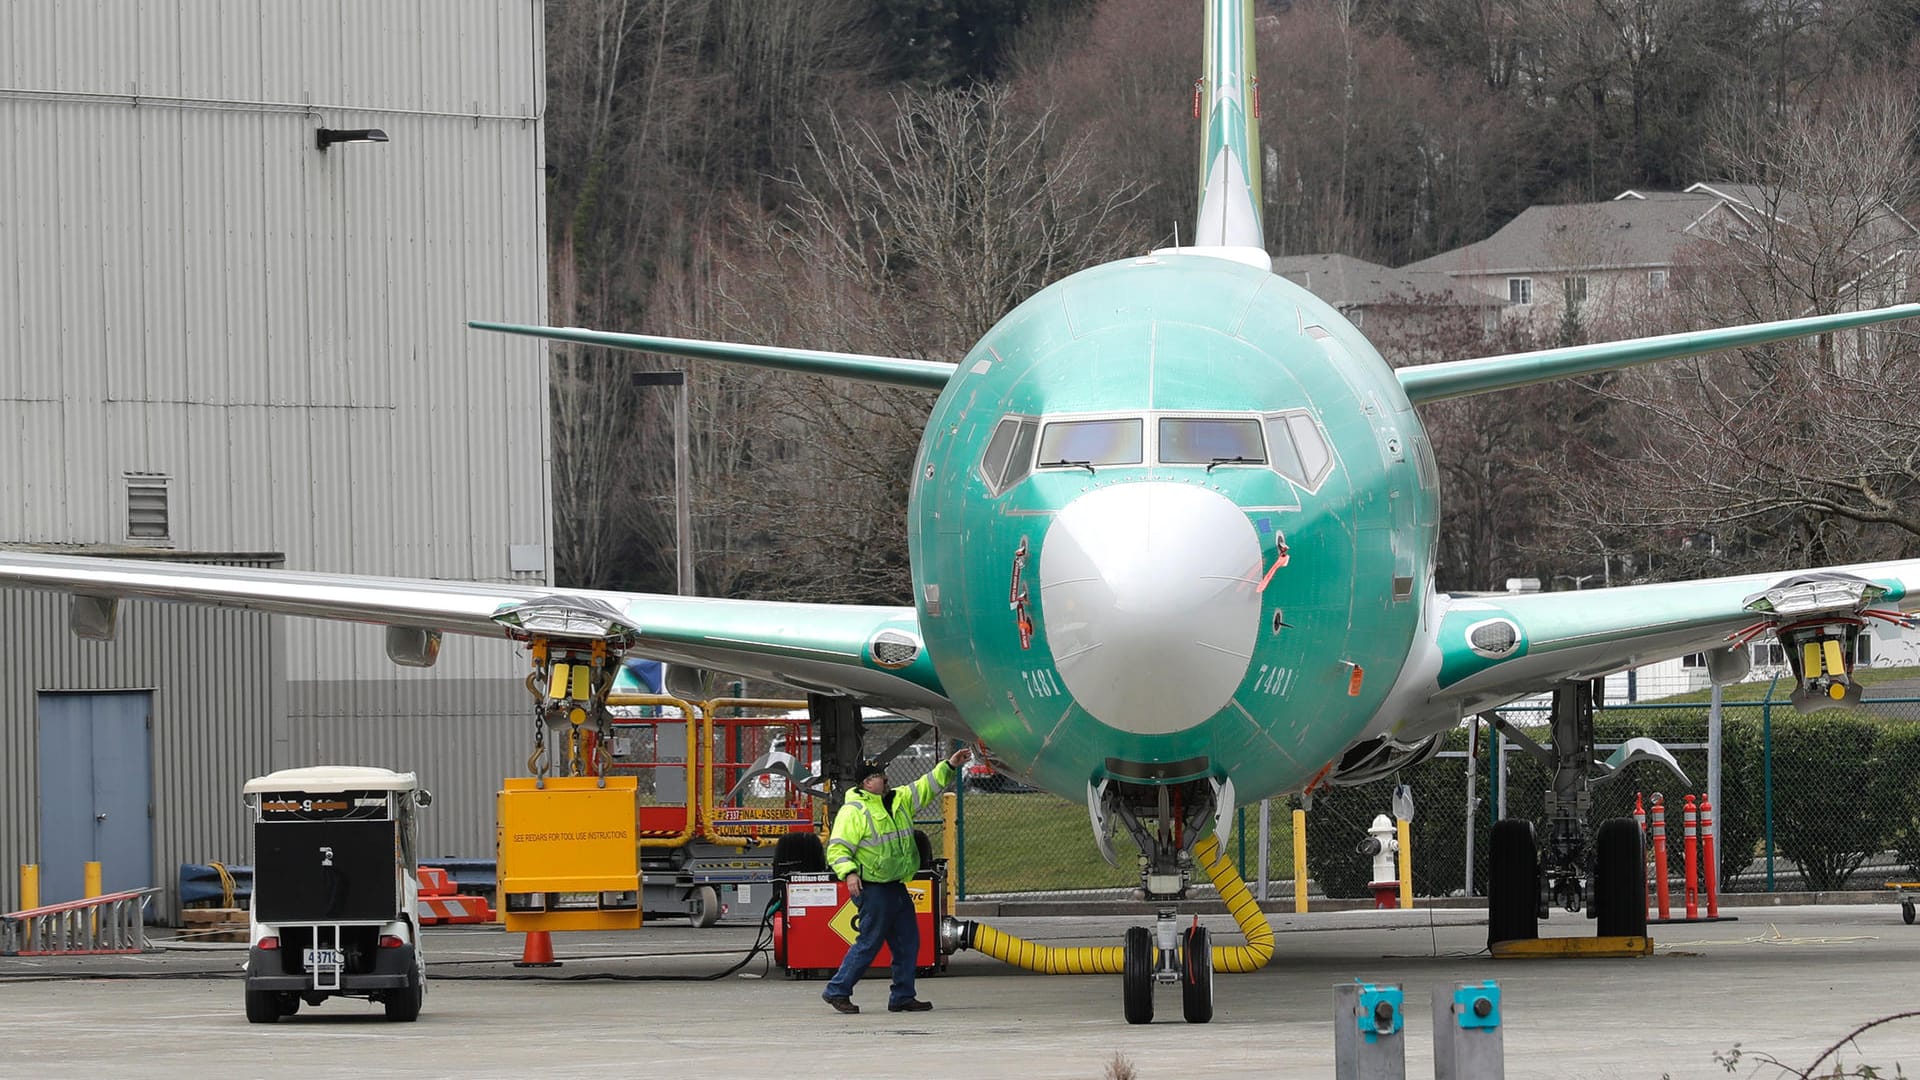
[[949, 845], [90, 890], [1300, 861], [1406, 863], [29, 886]]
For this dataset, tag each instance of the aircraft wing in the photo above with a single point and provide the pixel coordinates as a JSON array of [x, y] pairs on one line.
[[1494, 648], [870, 653], [1462, 378]]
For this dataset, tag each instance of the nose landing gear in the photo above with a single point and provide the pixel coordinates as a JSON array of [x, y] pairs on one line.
[[1167, 957]]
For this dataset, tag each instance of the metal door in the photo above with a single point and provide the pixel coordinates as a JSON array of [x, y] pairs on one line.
[[96, 792]]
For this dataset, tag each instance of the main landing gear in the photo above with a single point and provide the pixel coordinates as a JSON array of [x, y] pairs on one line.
[[1604, 871]]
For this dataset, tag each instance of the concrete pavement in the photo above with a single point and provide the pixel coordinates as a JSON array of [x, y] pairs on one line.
[[1787, 981]]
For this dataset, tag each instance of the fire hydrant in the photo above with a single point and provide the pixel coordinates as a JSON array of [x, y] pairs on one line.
[[1383, 844]]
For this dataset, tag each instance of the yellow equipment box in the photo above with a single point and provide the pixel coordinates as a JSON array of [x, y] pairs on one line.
[[568, 855]]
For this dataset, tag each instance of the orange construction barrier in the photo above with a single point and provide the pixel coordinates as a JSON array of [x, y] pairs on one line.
[[440, 901], [1690, 827], [538, 951], [1712, 868], [1660, 852], [435, 910]]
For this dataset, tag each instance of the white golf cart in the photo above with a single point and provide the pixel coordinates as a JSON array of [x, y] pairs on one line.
[[335, 891]]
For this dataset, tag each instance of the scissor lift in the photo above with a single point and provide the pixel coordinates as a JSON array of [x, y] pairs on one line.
[[1906, 892], [708, 828]]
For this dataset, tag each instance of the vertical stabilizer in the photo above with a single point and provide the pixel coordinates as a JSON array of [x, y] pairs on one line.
[[1230, 142]]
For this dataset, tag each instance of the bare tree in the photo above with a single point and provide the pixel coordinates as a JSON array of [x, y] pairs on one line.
[[659, 111], [909, 238], [1806, 450]]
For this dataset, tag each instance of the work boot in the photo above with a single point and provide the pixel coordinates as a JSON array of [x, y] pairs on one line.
[[910, 1005], [841, 1004]]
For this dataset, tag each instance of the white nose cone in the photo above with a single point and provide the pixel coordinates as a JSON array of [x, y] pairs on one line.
[[1149, 596]]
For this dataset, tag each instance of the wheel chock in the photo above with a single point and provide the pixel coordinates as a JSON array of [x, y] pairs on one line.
[[1573, 947]]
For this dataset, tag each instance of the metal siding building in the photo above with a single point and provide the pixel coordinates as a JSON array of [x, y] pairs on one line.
[[211, 326]]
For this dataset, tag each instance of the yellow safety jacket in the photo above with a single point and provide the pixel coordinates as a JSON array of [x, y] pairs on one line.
[[876, 838]]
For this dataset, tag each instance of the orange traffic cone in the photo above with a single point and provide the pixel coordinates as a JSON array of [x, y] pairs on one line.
[[538, 952]]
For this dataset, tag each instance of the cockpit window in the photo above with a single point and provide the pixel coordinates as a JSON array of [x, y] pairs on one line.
[[1091, 443], [1009, 455], [1298, 448], [1314, 455], [1020, 462], [1210, 441], [994, 465]]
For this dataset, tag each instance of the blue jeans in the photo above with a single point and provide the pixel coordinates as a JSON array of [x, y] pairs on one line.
[[886, 917]]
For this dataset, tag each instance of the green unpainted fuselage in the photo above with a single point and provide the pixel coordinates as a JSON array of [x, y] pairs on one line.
[[1154, 653]]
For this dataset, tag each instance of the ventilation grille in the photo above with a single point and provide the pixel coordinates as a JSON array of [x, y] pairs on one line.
[[147, 517]]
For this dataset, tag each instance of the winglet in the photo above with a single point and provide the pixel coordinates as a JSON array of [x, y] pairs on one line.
[[1462, 378], [893, 370]]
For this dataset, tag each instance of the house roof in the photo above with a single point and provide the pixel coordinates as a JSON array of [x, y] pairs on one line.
[[1347, 282], [1636, 229], [1633, 229], [1751, 200]]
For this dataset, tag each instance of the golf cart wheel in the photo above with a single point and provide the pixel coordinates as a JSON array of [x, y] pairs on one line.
[[403, 1005], [263, 1007]]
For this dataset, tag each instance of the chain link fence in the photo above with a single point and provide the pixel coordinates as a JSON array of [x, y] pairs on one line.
[[1822, 801]]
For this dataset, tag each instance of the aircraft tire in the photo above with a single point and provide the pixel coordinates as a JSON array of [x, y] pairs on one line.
[[1906, 911], [1196, 976], [799, 853], [1136, 975], [1513, 883], [924, 844], [1619, 880]]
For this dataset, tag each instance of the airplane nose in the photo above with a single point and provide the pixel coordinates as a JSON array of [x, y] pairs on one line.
[[1150, 598]]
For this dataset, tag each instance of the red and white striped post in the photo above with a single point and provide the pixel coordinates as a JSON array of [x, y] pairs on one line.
[[1710, 868], [1690, 828], [1660, 852]]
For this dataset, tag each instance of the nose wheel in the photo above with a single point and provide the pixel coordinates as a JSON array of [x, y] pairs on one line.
[[1136, 974], [1196, 975], [1184, 960]]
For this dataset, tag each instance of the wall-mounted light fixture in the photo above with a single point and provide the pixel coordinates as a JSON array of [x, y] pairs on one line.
[[325, 137]]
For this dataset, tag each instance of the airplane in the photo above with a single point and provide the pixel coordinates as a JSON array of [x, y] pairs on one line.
[[1172, 527]]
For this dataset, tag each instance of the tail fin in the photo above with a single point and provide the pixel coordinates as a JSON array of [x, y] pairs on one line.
[[1230, 143]]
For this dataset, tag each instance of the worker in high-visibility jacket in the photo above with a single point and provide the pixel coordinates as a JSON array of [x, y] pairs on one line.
[[874, 852]]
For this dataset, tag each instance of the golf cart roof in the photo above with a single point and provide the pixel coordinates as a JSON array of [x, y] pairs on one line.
[[332, 778]]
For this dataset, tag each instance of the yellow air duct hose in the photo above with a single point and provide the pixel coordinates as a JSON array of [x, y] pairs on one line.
[[1109, 959]]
